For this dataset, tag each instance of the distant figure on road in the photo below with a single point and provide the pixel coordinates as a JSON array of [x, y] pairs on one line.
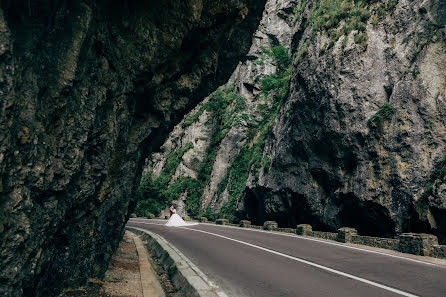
[[175, 220]]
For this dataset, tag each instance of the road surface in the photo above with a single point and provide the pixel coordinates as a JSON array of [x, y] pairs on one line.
[[246, 262]]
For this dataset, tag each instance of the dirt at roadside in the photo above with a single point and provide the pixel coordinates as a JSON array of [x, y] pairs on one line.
[[122, 278]]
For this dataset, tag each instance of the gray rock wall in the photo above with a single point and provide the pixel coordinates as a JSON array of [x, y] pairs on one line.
[[245, 124], [359, 140], [88, 89], [336, 159]]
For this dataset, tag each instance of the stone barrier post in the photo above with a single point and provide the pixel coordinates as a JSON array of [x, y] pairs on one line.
[[245, 223], [270, 225], [186, 218], [222, 221], [203, 219], [345, 234], [151, 216], [303, 229], [417, 243]]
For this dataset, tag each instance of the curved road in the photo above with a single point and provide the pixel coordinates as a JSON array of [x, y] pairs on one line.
[[247, 262]]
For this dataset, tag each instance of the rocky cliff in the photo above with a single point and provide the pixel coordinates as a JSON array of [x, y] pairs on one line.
[[204, 164], [358, 138], [361, 138], [88, 89]]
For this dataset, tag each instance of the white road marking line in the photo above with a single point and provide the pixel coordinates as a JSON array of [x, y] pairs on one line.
[[322, 241], [336, 244], [310, 263]]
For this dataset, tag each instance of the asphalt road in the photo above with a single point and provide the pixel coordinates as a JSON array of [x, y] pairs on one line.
[[245, 262]]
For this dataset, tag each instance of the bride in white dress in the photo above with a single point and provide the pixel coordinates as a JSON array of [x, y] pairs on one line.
[[176, 221]]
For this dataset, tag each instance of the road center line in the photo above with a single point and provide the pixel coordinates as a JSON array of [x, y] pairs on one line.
[[144, 221], [310, 263]]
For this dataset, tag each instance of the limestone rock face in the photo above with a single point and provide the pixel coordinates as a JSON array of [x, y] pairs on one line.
[[218, 139], [363, 130], [87, 90]]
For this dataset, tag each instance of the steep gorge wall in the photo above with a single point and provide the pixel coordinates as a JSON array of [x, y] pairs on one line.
[[361, 140], [88, 89], [204, 164]]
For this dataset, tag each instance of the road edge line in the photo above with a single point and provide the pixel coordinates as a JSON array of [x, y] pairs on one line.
[[184, 274], [310, 263], [426, 260]]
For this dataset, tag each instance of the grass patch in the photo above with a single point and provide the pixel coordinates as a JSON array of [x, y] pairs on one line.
[[339, 18], [329, 14], [385, 113]]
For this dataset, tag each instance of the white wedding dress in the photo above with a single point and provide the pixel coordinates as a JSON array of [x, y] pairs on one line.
[[176, 221]]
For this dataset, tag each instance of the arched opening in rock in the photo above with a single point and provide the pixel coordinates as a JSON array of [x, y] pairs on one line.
[[287, 208], [254, 207], [368, 217]]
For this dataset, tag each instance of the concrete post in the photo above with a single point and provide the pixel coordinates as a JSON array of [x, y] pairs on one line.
[[151, 216], [302, 229], [270, 225], [345, 234], [203, 219], [186, 218], [417, 243], [245, 223], [222, 221]]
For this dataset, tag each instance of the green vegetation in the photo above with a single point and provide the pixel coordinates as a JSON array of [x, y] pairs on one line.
[[427, 190], [299, 9], [329, 14], [278, 81], [385, 113], [415, 72], [251, 158], [226, 108], [381, 10], [339, 18], [154, 194]]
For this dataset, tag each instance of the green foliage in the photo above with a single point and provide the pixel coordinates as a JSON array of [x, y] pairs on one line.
[[153, 194], [360, 38], [391, 4], [279, 81], [224, 106], [226, 109], [209, 214], [251, 155], [193, 118], [385, 113], [427, 190], [328, 14], [415, 72], [299, 9]]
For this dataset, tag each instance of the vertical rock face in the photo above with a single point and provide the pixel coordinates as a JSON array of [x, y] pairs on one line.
[[88, 89], [361, 139], [224, 135]]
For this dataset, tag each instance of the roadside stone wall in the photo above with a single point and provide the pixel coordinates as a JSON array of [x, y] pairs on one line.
[[386, 243], [412, 243], [439, 252], [324, 235]]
